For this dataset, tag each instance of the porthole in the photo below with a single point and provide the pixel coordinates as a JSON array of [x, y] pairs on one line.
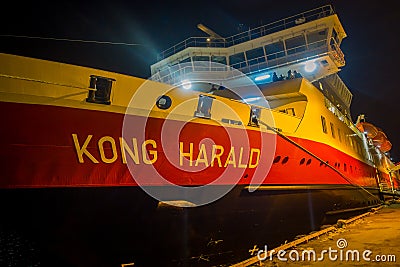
[[285, 159], [277, 159], [164, 102]]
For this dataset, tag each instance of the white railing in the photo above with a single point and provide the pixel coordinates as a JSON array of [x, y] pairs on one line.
[[251, 34], [282, 58]]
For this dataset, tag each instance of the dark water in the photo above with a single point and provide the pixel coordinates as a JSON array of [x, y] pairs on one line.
[[16, 250], [109, 227]]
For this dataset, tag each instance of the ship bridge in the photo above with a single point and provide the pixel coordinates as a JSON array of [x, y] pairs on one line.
[[308, 43]]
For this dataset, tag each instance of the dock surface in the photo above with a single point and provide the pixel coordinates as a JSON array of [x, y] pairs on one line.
[[372, 240]]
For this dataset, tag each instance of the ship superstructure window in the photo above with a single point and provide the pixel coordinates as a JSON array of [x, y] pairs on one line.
[[202, 63], [255, 56], [275, 50], [332, 130], [102, 90], [219, 59], [295, 44], [204, 107], [236, 60], [186, 60], [339, 135], [323, 121], [289, 111], [335, 36], [317, 38]]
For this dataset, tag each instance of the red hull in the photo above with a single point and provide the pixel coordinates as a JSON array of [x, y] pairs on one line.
[[50, 146]]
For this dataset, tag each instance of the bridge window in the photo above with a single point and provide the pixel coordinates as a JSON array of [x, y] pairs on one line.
[[102, 90], [275, 50], [201, 63], [295, 44], [317, 38], [201, 58], [255, 55], [323, 121], [236, 59], [219, 59], [204, 107], [186, 60], [335, 36]]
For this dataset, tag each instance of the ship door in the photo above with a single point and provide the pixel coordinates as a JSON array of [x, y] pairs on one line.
[[254, 116], [204, 106]]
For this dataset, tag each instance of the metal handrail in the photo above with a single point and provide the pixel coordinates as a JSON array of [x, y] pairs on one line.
[[263, 30], [328, 48]]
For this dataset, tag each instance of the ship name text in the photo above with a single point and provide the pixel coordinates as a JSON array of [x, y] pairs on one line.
[[108, 150]]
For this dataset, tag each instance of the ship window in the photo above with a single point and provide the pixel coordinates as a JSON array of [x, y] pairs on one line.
[[204, 107], [201, 58], [339, 135], [316, 38], [254, 116], [164, 102], [186, 60], [219, 59], [335, 36], [102, 92], [234, 122], [332, 130], [323, 121], [236, 59], [359, 148], [275, 50], [255, 55], [290, 111], [295, 44], [201, 63]]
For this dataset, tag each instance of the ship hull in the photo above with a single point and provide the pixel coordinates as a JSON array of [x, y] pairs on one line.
[[109, 226], [75, 202]]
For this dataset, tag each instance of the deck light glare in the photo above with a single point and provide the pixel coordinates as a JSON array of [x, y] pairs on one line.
[[310, 66], [262, 77], [186, 84]]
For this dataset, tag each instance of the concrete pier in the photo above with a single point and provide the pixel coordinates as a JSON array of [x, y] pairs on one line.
[[371, 239]]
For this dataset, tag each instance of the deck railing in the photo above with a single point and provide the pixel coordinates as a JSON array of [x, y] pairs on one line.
[[298, 54], [251, 34]]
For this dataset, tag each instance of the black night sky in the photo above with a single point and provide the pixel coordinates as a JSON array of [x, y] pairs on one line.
[[370, 49]]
